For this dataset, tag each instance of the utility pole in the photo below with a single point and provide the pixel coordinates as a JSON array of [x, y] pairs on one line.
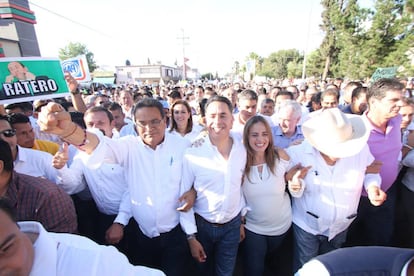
[[307, 43], [183, 38]]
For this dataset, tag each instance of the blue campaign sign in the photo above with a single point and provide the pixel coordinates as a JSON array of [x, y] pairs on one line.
[[78, 68]]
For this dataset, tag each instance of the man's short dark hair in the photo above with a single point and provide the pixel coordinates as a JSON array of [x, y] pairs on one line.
[[95, 109], [379, 88], [285, 93], [220, 99], [148, 102], [331, 92], [18, 118], [24, 106], [112, 106], [175, 94], [358, 91], [6, 156], [247, 94]]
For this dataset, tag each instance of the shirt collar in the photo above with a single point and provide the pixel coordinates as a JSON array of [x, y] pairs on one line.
[[278, 131], [45, 249], [160, 145], [393, 122], [21, 155]]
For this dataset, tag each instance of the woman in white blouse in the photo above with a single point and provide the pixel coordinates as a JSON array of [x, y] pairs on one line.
[[269, 214], [182, 122]]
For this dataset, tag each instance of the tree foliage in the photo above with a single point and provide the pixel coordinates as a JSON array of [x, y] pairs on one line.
[[77, 49], [208, 76], [282, 64], [357, 41]]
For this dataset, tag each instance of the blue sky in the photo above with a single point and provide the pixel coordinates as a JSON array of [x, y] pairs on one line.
[[219, 31]]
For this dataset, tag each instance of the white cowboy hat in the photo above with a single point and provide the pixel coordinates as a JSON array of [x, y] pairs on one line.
[[335, 133]]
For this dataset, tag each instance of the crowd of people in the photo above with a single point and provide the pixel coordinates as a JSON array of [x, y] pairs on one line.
[[206, 179]]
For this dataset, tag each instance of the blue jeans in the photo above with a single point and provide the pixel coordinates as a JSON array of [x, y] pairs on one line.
[[220, 243], [255, 249], [306, 245]]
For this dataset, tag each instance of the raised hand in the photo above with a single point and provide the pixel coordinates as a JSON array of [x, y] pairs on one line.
[[54, 119], [61, 157]]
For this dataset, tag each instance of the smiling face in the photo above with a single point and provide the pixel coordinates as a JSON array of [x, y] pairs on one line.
[[219, 120], [181, 115], [258, 137], [16, 249], [387, 107], [288, 121]]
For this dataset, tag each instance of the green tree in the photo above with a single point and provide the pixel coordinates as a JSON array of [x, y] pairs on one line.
[[76, 49], [357, 41], [314, 64], [404, 41], [276, 65], [350, 37], [207, 76], [382, 35], [258, 59], [329, 49]]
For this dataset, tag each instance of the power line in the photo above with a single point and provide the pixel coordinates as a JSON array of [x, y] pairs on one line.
[[70, 20]]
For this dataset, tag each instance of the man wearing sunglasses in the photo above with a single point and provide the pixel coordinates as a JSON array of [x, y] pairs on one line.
[[27, 161]]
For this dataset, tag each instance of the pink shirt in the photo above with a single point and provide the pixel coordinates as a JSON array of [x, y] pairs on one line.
[[386, 148]]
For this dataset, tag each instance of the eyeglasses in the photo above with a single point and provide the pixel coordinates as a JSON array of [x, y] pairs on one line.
[[8, 132], [152, 123]]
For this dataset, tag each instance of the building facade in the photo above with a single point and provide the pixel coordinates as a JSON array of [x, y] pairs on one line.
[[148, 74], [17, 33]]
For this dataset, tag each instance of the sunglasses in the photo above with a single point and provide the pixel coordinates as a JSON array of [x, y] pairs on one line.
[[8, 132]]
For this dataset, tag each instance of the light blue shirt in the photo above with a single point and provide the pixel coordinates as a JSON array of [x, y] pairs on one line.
[[281, 141]]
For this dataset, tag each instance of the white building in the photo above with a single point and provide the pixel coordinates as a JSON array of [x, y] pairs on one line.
[[148, 74]]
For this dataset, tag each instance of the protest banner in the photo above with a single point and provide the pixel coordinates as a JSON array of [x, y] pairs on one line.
[[25, 79], [387, 72], [78, 68]]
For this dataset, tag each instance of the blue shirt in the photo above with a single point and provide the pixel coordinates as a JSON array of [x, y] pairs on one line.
[[281, 141]]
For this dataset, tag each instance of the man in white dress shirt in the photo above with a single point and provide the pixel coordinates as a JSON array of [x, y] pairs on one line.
[[105, 183], [322, 210], [27, 248], [152, 163], [214, 167]]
